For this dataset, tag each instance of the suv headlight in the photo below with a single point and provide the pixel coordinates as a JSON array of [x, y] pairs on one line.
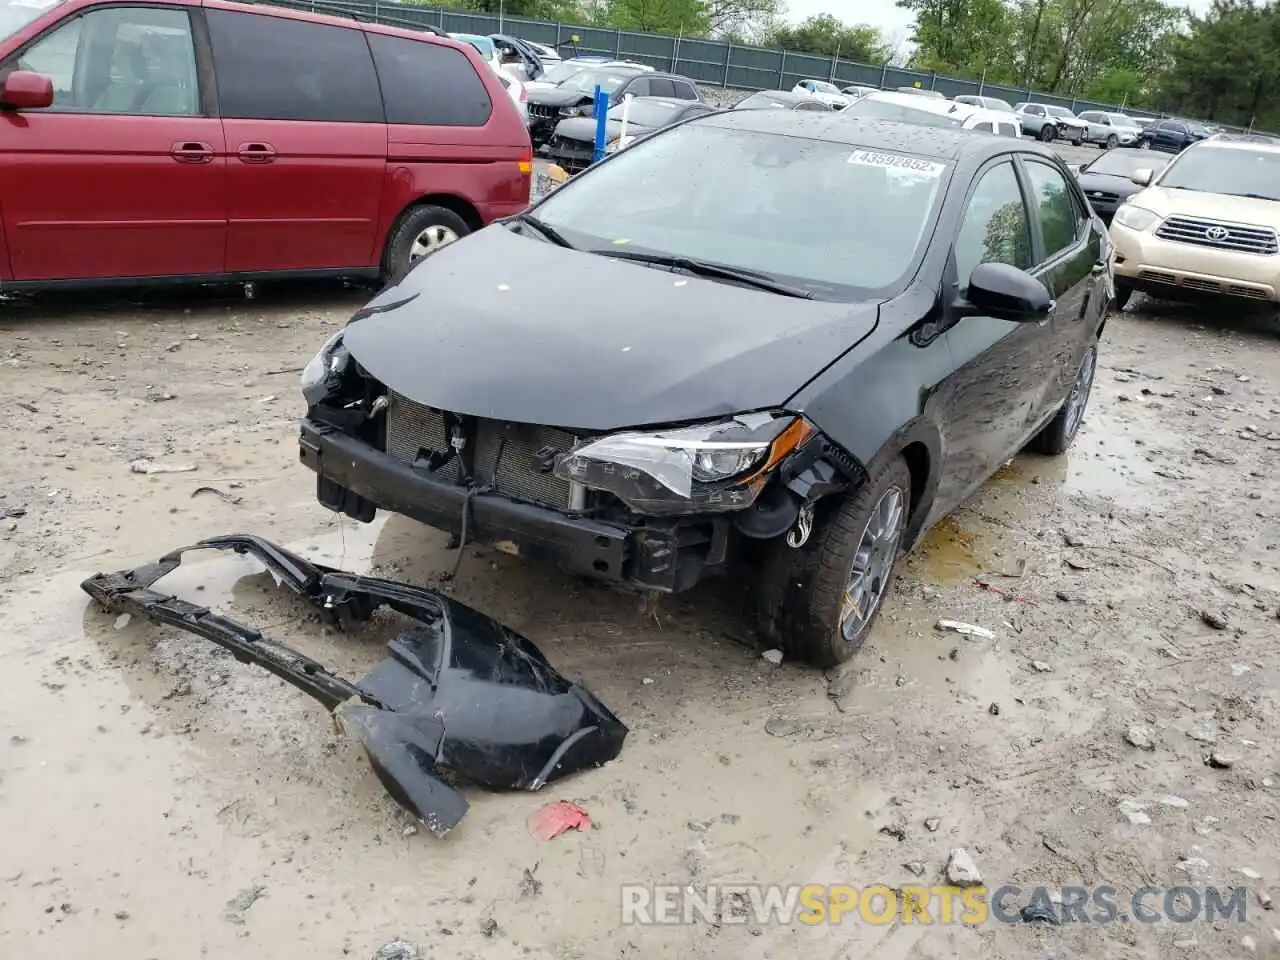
[[573, 111], [708, 468], [324, 369], [1135, 218]]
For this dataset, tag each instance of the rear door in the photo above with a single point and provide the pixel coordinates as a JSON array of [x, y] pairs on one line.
[[124, 175], [1069, 257], [306, 142]]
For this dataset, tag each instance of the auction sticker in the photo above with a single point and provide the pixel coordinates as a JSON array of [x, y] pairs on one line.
[[896, 161]]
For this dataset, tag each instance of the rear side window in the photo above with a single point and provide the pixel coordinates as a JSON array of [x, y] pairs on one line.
[[984, 126], [1059, 216], [685, 90], [429, 84], [271, 68]]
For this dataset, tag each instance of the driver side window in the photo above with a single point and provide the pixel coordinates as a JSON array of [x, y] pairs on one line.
[[995, 227], [139, 61]]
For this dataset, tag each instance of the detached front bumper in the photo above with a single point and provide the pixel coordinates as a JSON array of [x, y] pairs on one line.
[[1165, 268], [357, 479]]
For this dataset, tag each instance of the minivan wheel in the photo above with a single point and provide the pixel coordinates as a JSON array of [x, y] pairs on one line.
[[420, 231], [1112, 142], [1058, 433], [822, 600], [1047, 133]]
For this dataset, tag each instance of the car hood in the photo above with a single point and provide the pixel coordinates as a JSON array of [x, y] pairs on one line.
[[1110, 182], [488, 331], [556, 97], [1209, 206], [1070, 121], [584, 128]]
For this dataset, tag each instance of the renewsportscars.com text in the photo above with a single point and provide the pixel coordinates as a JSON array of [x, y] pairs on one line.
[[880, 904]]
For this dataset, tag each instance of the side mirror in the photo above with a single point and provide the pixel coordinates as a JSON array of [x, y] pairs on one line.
[[1142, 176], [1003, 291], [26, 90]]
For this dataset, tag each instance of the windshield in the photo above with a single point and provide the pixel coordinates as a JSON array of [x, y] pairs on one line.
[[482, 44], [588, 80], [1232, 172], [995, 103], [1197, 130], [16, 14], [883, 110], [1120, 120], [821, 87], [1059, 112], [762, 100], [1122, 163], [842, 222], [562, 71], [647, 113]]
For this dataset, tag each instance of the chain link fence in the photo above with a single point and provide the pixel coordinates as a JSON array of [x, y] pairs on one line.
[[709, 62]]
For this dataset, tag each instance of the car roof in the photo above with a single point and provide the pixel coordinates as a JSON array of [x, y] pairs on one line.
[[1257, 143], [890, 135], [788, 95]]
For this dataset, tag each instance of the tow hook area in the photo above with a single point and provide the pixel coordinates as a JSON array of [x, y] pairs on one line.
[[798, 535]]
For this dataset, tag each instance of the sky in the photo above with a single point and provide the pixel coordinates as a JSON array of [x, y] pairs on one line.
[[893, 22]]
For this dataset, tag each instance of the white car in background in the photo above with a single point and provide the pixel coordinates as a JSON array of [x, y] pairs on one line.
[[488, 51], [909, 108], [828, 93], [515, 89]]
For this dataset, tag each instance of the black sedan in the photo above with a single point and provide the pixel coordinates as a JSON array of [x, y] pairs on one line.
[[791, 344], [1107, 181], [1172, 136], [573, 144], [782, 100]]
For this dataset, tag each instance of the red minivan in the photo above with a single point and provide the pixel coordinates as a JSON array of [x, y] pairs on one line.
[[200, 140]]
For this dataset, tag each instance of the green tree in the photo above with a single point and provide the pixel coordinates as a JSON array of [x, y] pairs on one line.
[[825, 35], [656, 16]]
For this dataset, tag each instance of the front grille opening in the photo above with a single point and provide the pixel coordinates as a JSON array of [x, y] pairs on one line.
[[1220, 235], [508, 457]]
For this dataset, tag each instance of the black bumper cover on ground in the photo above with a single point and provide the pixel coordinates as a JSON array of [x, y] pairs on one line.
[[458, 696]]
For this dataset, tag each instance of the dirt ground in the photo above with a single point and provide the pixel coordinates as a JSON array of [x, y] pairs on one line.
[[159, 800]]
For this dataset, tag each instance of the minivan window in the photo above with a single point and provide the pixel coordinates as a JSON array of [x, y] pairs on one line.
[[16, 14], [125, 60], [842, 221], [274, 68], [429, 84]]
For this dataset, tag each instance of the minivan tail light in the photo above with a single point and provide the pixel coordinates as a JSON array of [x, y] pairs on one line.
[[526, 163]]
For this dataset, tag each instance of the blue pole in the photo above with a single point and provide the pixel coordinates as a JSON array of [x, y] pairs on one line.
[[602, 120]]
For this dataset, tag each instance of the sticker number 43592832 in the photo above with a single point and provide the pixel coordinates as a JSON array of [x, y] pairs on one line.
[[897, 161]]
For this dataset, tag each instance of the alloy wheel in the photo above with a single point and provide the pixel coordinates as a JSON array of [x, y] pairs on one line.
[[873, 562], [430, 240], [1078, 399]]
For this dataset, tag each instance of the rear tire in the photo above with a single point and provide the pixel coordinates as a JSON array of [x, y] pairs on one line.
[[803, 596], [1056, 436], [419, 231]]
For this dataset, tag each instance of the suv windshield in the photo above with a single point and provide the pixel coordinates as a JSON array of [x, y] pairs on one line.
[[16, 14], [841, 222], [821, 87], [1059, 112], [562, 71], [1234, 172], [647, 113], [588, 80], [883, 110]]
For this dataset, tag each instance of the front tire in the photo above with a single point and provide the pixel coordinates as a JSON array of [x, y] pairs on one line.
[[420, 231], [1077, 139], [1047, 133], [1112, 142], [822, 600], [1058, 433]]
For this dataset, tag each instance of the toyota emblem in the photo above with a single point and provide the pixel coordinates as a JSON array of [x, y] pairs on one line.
[[1217, 234]]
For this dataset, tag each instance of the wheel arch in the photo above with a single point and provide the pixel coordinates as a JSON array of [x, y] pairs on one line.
[[450, 201], [919, 443]]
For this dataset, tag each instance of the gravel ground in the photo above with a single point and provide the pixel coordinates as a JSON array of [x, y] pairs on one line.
[[159, 800]]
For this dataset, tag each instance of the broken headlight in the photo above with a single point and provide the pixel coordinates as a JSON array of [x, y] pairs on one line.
[[702, 469], [323, 373]]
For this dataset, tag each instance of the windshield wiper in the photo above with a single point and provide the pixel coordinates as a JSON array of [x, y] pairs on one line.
[[548, 231], [716, 271]]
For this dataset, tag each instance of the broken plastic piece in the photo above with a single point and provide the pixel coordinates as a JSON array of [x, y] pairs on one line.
[[965, 629], [459, 695], [556, 818]]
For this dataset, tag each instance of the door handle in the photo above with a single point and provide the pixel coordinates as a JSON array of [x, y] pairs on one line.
[[256, 152], [191, 151]]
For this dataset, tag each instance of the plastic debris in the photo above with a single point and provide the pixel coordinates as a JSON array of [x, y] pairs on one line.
[[150, 466], [557, 818], [965, 629]]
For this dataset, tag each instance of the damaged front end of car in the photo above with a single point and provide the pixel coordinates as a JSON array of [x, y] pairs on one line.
[[459, 697], [654, 509]]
